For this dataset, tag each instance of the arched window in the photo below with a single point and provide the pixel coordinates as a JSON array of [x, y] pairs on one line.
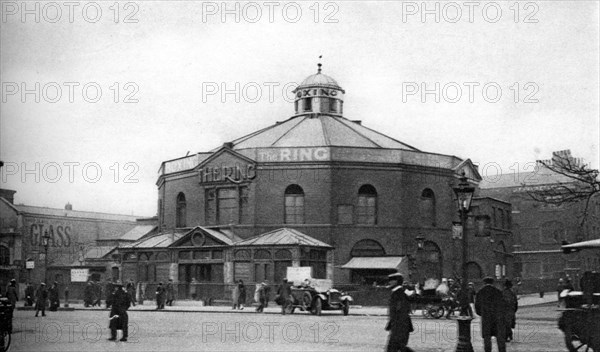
[[474, 272], [294, 205], [181, 216], [430, 261], [366, 210], [427, 207], [367, 248]]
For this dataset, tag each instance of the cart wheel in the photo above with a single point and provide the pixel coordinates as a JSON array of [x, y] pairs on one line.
[[346, 307], [574, 343], [306, 301], [436, 312], [4, 341], [316, 307], [289, 308], [426, 312]]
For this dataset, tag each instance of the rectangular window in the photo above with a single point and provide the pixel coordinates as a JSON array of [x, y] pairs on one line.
[[307, 104], [244, 209], [333, 105], [345, 214], [211, 207], [294, 209], [365, 210], [227, 206]]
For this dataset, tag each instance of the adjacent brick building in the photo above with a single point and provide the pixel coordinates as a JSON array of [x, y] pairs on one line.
[[539, 228]]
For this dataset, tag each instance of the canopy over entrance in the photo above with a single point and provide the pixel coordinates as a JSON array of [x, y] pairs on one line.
[[374, 263]]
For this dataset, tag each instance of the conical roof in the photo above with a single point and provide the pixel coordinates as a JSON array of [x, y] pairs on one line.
[[318, 130]]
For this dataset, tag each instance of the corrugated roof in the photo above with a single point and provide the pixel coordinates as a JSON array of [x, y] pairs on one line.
[[387, 263], [283, 236], [98, 252], [137, 232], [73, 213], [162, 240], [318, 130]]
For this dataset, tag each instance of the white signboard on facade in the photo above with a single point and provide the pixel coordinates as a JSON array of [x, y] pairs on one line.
[[30, 264], [79, 275], [298, 274]]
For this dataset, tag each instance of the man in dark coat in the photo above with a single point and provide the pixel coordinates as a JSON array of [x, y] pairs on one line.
[[512, 305], [170, 292], [399, 324], [29, 294], [53, 295], [284, 294], [41, 295], [119, 301], [131, 291], [489, 304], [12, 294], [88, 295], [160, 296]]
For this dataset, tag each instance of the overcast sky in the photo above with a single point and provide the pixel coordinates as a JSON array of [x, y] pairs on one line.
[[542, 57]]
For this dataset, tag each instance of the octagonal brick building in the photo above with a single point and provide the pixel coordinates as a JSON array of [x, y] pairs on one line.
[[351, 199]]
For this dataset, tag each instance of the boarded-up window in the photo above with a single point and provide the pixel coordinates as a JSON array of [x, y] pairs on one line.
[[345, 214], [241, 271]]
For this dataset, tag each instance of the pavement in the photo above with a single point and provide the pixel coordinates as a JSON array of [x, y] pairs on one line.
[[197, 306]]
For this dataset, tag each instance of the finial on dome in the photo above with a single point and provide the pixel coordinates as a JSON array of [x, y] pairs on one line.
[[319, 64]]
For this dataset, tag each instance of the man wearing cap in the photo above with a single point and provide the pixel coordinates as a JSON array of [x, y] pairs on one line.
[[119, 302], [489, 304], [399, 324], [41, 295]]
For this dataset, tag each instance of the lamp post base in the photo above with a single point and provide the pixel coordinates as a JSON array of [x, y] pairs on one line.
[[464, 334]]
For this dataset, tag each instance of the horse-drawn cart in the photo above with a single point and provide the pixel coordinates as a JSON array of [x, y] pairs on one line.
[[580, 320]]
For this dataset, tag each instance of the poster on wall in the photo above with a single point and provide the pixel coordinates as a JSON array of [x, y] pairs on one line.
[[298, 274], [79, 275]]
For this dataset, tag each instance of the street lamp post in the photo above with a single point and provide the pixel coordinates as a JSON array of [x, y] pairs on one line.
[[45, 243], [464, 194]]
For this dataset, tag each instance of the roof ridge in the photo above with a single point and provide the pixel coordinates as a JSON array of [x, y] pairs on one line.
[[348, 121], [288, 131], [347, 125]]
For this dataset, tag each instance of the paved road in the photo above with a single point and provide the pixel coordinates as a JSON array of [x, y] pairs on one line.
[[215, 331]]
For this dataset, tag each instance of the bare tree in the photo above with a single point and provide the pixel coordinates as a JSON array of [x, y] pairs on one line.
[[578, 186]]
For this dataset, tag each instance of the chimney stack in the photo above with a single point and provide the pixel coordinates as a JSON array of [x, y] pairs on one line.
[[68, 206]]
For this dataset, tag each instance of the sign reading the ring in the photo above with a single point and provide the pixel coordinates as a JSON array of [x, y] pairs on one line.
[[235, 174]]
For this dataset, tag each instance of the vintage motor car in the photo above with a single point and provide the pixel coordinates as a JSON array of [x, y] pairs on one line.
[[317, 295]]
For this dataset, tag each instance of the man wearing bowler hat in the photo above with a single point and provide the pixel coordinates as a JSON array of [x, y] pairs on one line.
[[399, 324], [119, 302]]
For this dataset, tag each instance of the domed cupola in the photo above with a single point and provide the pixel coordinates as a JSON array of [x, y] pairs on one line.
[[319, 93]]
